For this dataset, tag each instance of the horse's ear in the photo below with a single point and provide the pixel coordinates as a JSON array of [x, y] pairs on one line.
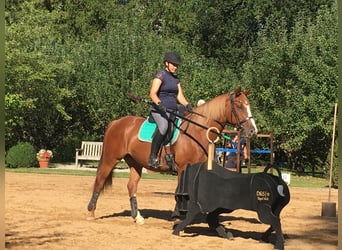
[[246, 92], [238, 91]]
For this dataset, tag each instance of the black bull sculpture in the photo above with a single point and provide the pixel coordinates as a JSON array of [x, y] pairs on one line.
[[219, 191]]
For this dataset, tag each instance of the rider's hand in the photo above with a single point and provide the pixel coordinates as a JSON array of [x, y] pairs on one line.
[[161, 106], [188, 107]]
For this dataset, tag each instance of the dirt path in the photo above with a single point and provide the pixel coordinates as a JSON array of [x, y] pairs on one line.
[[49, 212]]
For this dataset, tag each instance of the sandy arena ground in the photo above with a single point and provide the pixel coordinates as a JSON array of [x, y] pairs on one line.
[[50, 211]]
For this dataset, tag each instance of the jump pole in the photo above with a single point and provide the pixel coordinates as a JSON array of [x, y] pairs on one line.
[[211, 147], [329, 208]]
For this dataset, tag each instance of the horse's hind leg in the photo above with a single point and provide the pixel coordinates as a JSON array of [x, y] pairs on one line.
[[103, 178], [132, 186]]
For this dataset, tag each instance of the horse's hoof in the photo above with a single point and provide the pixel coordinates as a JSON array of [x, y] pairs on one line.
[[139, 219], [91, 215]]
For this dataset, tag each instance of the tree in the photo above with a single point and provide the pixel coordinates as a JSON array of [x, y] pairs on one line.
[[33, 79], [74, 62], [226, 30], [294, 78]]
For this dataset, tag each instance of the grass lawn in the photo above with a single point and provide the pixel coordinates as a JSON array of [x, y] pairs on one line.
[[296, 181], [82, 172], [304, 180]]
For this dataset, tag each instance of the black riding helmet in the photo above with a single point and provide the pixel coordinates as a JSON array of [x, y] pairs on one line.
[[172, 57]]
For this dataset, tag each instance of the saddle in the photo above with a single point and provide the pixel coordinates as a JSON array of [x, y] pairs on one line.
[[149, 126], [147, 130]]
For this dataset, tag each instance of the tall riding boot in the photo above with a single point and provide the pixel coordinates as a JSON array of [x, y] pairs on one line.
[[156, 143]]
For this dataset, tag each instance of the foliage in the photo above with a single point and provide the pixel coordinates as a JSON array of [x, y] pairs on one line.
[[16, 108], [70, 64], [35, 73], [228, 32], [21, 155], [65, 150], [294, 81]]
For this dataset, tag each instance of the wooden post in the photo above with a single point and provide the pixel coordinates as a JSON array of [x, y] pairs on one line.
[[329, 208], [270, 136], [248, 142], [271, 147], [211, 147], [224, 153], [210, 155], [332, 152], [238, 152]]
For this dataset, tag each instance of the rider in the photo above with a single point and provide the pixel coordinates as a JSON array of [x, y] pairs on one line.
[[165, 91]]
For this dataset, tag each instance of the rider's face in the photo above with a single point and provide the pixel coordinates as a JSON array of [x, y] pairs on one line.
[[172, 68]]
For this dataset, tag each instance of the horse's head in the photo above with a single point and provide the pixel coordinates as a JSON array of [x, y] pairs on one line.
[[232, 108], [241, 115]]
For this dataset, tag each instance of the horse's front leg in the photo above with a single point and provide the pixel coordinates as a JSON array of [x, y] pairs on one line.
[[132, 186]]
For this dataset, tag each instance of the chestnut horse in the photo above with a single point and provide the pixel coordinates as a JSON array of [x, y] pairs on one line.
[[121, 142]]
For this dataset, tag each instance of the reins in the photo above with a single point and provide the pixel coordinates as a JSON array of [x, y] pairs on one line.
[[184, 131], [195, 123], [201, 115], [221, 135]]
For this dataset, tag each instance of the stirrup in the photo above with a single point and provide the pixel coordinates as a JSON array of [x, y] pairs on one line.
[[153, 162]]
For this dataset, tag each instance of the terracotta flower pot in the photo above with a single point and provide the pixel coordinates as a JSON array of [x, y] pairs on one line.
[[43, 163]]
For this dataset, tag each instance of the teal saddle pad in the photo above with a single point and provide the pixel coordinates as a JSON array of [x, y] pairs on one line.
[[147, 129]]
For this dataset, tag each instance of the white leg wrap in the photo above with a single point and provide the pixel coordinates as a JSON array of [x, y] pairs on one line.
[[139, 219]]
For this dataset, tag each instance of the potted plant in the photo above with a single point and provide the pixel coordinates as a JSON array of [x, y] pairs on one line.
[[43, 157]]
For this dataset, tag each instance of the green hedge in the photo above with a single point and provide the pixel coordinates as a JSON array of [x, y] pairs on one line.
[[22, 154]]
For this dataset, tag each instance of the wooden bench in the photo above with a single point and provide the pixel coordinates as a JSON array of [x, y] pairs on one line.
[[89, 151]]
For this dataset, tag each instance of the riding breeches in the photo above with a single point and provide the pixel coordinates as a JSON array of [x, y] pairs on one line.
[[161, 121]]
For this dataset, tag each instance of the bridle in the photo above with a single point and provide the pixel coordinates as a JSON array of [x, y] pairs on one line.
[[238, 121], [223, 124]]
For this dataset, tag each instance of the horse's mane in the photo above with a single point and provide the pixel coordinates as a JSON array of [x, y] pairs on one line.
[[213, 109]]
